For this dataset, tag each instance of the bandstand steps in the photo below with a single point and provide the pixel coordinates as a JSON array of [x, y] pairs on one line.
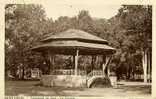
[[90, 80], [98, 81]]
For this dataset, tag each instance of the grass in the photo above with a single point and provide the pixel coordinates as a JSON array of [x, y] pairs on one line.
[[32, 88]]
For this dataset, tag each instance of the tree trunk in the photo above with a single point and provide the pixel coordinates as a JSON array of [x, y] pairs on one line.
[[144, 63], [23, 73]]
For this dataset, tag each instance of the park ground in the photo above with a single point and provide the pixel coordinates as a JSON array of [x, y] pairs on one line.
[[32, 88]]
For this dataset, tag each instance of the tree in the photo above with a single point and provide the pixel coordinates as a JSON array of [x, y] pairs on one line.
[[24, 26], [132, 28]]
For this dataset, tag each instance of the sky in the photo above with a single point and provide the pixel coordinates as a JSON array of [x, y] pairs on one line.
[[96, 9]]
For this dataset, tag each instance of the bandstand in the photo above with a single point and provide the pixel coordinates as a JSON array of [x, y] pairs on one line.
[[74, 43]]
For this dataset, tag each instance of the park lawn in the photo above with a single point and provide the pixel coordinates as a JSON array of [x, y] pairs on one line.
[[32, 88]]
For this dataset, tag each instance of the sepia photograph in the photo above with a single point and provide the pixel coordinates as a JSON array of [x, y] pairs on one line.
[[78, 50]]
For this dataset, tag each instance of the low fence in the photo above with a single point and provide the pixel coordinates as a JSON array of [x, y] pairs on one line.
[[141, 76]]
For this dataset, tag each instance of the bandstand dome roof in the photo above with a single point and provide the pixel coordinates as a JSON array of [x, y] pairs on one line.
[[67, 41]]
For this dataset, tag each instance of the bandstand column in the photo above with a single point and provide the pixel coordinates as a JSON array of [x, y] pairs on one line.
[[76, 61], [51, 59], [103, 64], [108, 68], [93, 62], [106, 60]]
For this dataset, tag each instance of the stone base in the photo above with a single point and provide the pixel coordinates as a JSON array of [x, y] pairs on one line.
[[64, 80], [113, 80]]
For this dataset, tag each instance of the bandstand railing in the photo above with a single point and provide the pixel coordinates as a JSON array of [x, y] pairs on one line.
[[68, 72], [95, 73], [80, 72]]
